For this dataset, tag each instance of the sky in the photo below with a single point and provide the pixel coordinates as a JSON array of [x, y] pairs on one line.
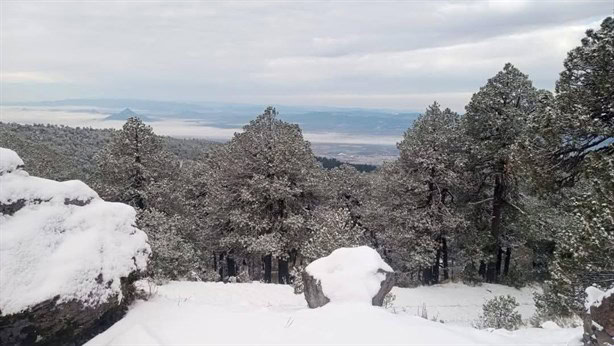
[[388, 54]]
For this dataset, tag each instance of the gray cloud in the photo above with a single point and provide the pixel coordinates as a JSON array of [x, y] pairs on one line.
[[387, 54]]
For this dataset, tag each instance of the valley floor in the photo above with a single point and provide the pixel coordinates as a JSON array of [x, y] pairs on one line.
[[198, 313]]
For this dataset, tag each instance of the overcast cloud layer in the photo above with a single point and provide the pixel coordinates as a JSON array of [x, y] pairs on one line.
[[398, 55]]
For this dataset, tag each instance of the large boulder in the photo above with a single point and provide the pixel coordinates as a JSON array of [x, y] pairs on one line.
[[67, 258], [357, 275], [599, 318]]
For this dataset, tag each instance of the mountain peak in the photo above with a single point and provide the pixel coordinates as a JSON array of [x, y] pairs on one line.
[[125, 114]]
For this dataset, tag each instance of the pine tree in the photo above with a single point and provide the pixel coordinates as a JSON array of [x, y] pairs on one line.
[[496, 123], [414, 197], [130, 163], [574, 144], [263, 187], [431, 153], [585, 100]]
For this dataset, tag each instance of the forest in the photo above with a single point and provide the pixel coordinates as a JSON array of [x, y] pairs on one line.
[[517, 189]]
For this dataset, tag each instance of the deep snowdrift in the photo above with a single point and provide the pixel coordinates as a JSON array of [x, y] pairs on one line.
[[350, 274], [216, 313], [60, 238]]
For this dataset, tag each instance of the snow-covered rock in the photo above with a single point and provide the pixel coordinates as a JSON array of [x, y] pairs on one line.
[[348, 275], [67, 258], [9, 160], [599, 318]]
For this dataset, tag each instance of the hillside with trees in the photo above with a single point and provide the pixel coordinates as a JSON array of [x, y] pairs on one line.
[[518, 189]]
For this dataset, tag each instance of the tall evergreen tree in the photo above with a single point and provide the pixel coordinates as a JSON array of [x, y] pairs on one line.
[[496, 123], [574, 143], [412, 206], [130, 163], [263, 188]]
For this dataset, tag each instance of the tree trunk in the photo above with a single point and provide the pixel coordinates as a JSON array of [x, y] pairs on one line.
[[498, 263], [268, 259], [214, 261], [444, 250], [508, 257], [497, 214], [435, 271], [491, 272], [482, 270], [427, 275], [283, 274], [221, 261], [231, 265]]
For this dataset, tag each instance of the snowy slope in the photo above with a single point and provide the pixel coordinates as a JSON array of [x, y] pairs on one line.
[[459, 304], [216, 313]]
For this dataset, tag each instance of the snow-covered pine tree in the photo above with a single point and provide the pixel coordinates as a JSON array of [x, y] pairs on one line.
[[130, 163], [575, 143], [135, 169], [585, 100], [415, 195], [495, 122], [173, 257], [263, 188], [332, 229]]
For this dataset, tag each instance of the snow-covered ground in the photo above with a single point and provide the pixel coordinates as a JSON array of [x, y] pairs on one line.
[[216, 313], [458, 304]]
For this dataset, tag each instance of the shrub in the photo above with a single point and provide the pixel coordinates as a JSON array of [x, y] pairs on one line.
[[470, 275], [389, 300], [552, 305], [500, 312], [516, 278]]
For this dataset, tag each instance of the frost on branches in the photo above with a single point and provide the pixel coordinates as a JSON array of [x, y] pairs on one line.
[[263, 188]]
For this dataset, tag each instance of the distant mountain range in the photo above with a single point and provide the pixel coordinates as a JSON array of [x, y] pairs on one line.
[[357, 121]]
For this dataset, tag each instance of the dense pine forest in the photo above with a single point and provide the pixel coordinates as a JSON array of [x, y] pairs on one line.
[[517, 189]]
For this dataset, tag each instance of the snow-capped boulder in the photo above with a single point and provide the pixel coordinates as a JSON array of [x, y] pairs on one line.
[[357, 275], [9, 161], [599, 318], [67, 258]]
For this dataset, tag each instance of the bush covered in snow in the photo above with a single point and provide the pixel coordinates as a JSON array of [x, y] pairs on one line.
[[500, 313]]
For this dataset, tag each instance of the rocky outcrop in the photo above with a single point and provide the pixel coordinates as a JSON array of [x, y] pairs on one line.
[[348, 275], [52, 322], [599, 320], [68, 259], [312, 288], [385, 288]]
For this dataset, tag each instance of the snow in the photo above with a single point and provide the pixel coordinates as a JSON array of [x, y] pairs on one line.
[[550, 325], [20, 185], [49, 248], [350, 274], [595, 296], [9, 160], [459, 304], [199, 313]]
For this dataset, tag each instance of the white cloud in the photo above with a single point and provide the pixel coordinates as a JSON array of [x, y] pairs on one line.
[[387, 54], [29, 77]]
